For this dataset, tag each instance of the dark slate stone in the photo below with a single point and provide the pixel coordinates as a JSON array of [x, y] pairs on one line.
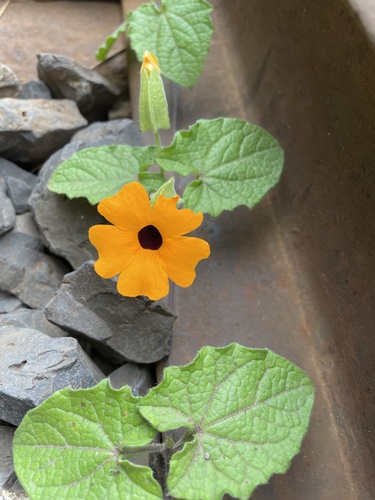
[[32, 129], [123, 131], [9, 83], [34, 89], [7, 474], [64, 223], [138, 377], [101, 361], [25, 232], [33, 366], [121, 328], [93, 93], [24, 270], [7, 212], [19, 184], [8, 303], [115, 69], [32, 318], [121, 109]]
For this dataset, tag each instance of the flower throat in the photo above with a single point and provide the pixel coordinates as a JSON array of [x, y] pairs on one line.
[[150, 238]]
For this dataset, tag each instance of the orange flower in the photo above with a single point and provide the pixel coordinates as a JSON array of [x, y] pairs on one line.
[[145, 245]]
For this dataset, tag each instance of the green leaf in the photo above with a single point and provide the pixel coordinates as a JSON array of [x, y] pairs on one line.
[[236, 163], [151, 181], [249, 409], [70, 446], [178, 34], [167, 190], [96, 173], [110, 41]]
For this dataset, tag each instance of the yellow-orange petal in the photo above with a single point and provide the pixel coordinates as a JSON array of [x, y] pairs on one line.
[[181, 256], [129, 208], [173, 222], [149, 62], [146, 275], [116, 248]]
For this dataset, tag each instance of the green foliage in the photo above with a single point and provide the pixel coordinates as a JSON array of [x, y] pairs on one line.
[[167, 190], [236, 163], [96, 173], [247, 411], [178, 34], [70, 447], [110, 41], [151, 181]]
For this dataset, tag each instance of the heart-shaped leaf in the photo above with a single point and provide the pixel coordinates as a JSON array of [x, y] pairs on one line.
[[249, 410], [70, 447], [236, 163], [96, 173], [178, 34]]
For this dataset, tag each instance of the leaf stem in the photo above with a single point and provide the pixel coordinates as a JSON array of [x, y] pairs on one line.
[[169, 445], [157, 141], [140, 450], [188, 436]]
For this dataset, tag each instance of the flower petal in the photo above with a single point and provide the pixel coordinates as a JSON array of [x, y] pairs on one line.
[[173, 222], [116, 248], [181, 255], [145, 276], [129, 208]]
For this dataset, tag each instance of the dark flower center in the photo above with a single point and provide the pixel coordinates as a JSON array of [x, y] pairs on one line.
[[150, 238]]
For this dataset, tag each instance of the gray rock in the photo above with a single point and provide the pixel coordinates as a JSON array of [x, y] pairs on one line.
[[25, 271], [121, 328], [9, 83], [32, 318], [7, 211], [93, 93], [138, 377], [8, 303], [19, 184], [25, 233], [123, 131], [64, 223], [32, 129], [34, 89], [33, 366], [121, 109], [7, 475], [115, 69], [102, 362]]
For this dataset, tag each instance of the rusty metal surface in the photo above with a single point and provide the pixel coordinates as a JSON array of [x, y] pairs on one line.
[[296, 274], [73, 28]]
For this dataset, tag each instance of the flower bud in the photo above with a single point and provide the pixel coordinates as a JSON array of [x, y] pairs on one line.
[[153, 106]]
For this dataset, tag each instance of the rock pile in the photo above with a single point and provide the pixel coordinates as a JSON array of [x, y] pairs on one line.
[[60, 323]]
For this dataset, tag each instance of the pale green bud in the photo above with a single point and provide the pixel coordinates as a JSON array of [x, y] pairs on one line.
[[153, 106]]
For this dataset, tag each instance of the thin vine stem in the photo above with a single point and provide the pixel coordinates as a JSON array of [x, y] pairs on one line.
[[158, 147]]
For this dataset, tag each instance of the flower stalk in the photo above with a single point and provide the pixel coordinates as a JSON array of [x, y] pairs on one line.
[[153, 106]]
